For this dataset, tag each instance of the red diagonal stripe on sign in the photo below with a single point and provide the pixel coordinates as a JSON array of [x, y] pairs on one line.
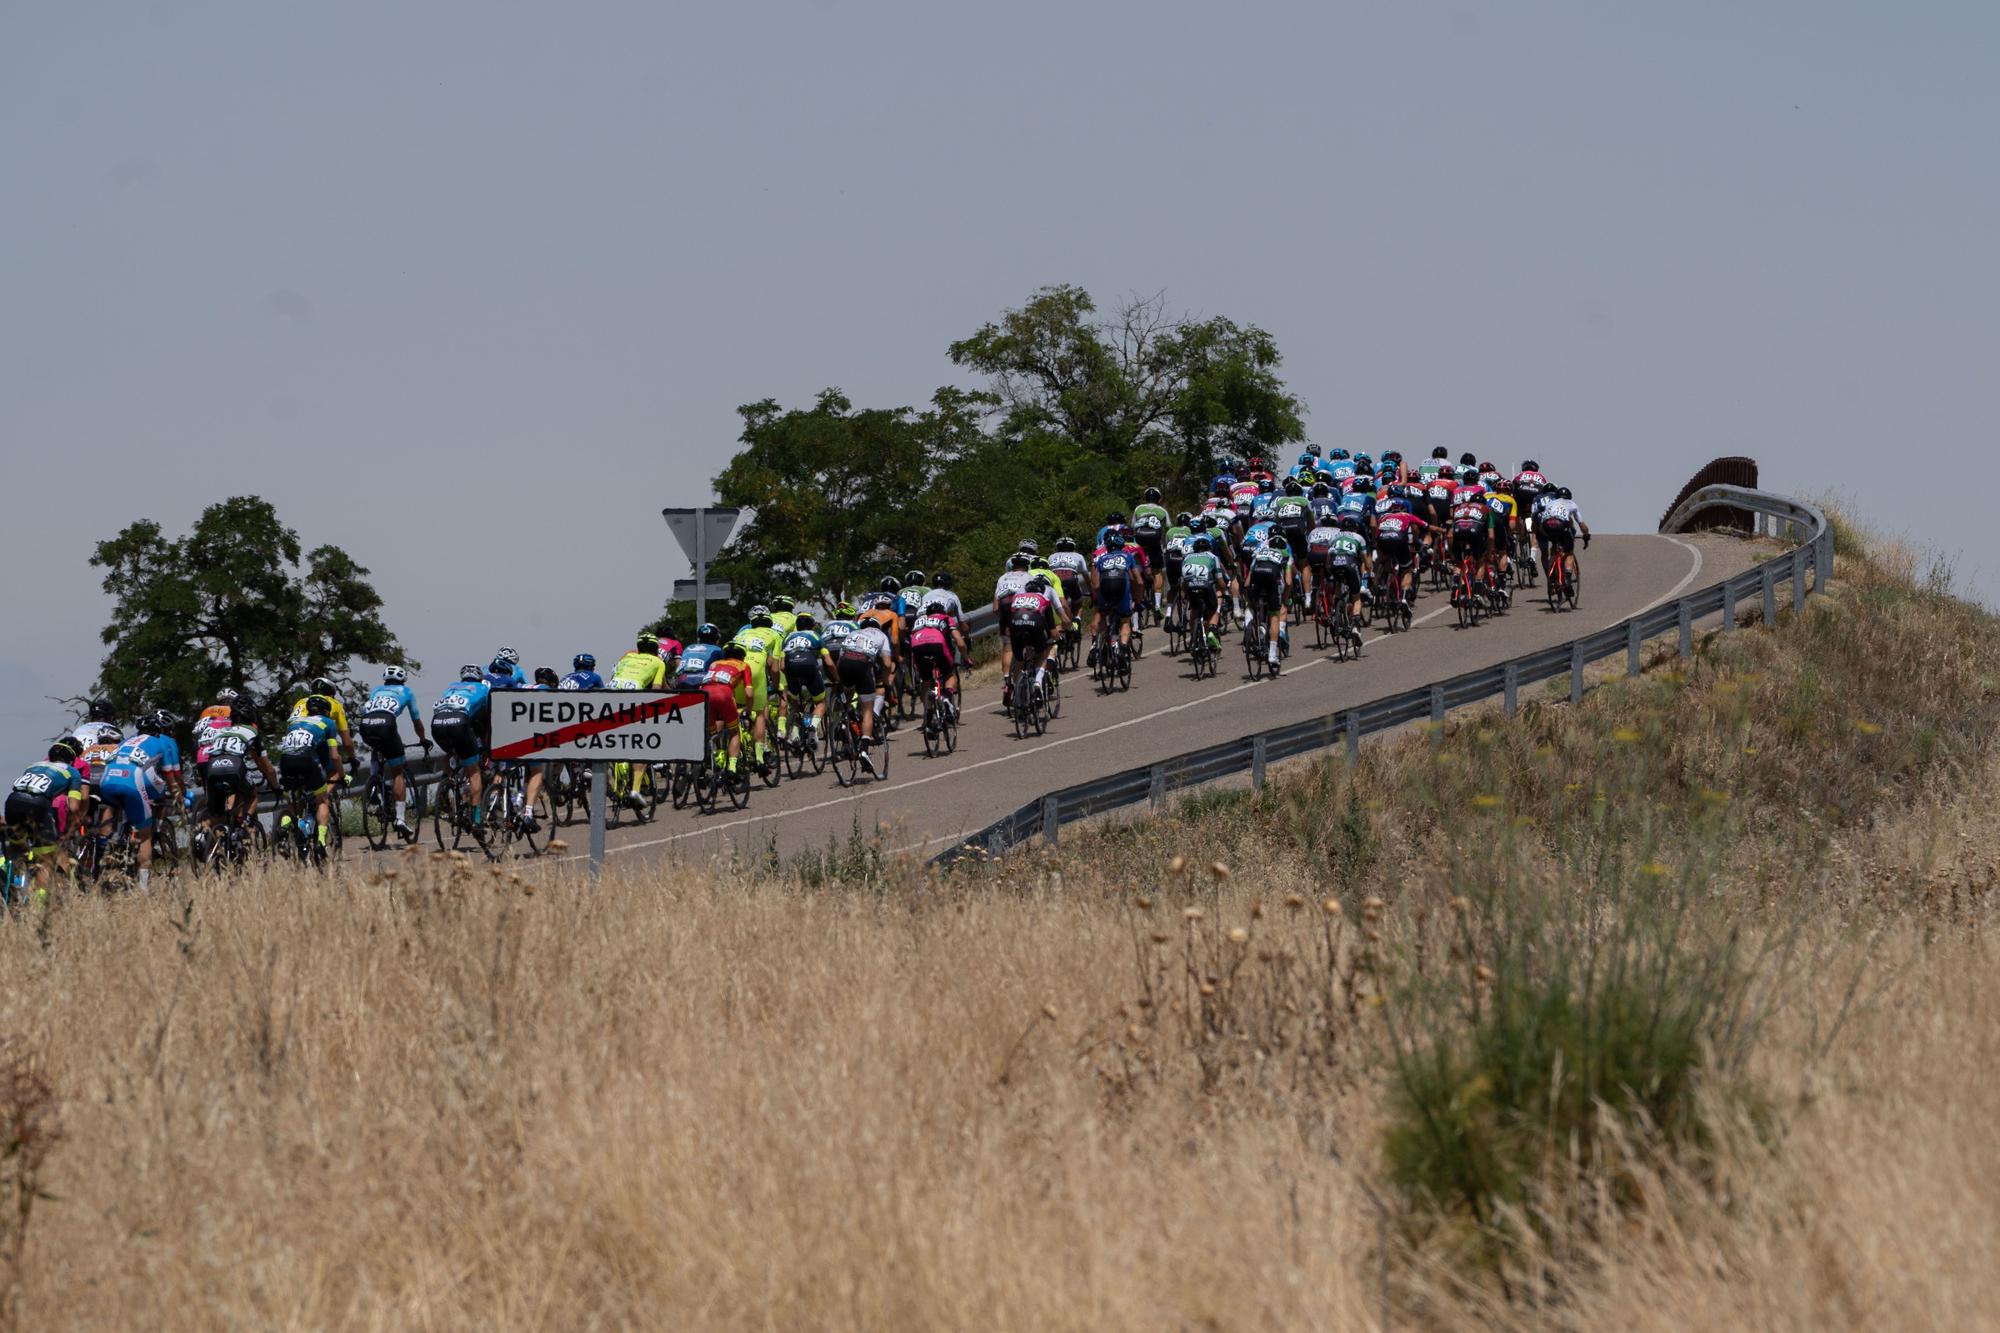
[[610, 722]]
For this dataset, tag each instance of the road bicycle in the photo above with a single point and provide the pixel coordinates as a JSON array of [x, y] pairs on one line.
[[940, 723], [1393, 598], [378, 803], [232, 844], [1200, 655], [1110, 668], [799, 748], [1333, 621], [1069, 647], [507, 808], [1028, 703], [1564, 581], [633, 788], [298, 826]]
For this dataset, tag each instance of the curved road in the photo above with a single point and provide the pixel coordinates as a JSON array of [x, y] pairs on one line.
[[926, 804]]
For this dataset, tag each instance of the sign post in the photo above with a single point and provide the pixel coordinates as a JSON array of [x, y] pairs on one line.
[[702, 532], [598, 727]]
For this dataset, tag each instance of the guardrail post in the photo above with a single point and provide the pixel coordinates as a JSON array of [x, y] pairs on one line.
[[1156, 785], [1257, 762], [1576, 672], [1823, 555], [1510, 676], [598, 796], [1729, 606], [1437, 715], [1770, 582], [1798, 580], [1632, 648], [1353, 736], [1686, 619], [1051, 818]]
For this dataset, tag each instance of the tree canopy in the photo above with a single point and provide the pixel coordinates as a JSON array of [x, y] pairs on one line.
[[1080, 412], [230, 605]]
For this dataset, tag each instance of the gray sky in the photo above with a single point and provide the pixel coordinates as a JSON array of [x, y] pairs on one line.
[[473, 289]]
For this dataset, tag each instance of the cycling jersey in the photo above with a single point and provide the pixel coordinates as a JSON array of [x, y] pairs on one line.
[[312, 736], [1258, 534], [1292, 513], [231, 752], [913, 599], [581, 680], [696, 659], [338, 710], [468, 698], [1470, 516], [144, 762], [952, 606], [1117, 571], [867, 640], [1355, 505], [728, 685], [51, 781], [1400, 528], [639, 671], [96, 733], [1150, 521], [1428, 470], [1560, 511], [96, 759], [1010, 583], [1346, 548], [42, 801], [1320, 540], [389, 701], [213, 719], [836, 630], [1200, 570]]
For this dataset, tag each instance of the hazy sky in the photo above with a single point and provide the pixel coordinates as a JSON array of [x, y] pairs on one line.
[[473, 289]]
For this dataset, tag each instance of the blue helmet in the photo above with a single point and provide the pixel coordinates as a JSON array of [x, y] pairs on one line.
[[583, 662]]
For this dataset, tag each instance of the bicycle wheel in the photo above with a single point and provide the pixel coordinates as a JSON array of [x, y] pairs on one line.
[[1573, 583], [543, 808], [375, 816], [444, 816]]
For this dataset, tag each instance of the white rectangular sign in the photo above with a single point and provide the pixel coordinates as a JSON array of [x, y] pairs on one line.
[[599, 725]]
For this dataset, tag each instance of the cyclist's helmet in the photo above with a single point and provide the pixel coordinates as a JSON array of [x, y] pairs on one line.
[[1152, 495], [1062, 544], [583, 662], [845, 611], [318, 705], [1440, 452], [1488, 467], [646, 643], [1364, 484], [1335, 455], [1201, 543], [227, 697], [1114, 519], [1350, 521], [498, 666], [469, 672], [808, 621], [707, 634], [322, 685], [1392, 455], [760, 616], [1467, 460], [734, 652], [101, 711], [1018, 561], [394, 675], [1267, 487], [1468, 475], [510, 656], [943, 579], [1364, 459], [1035, 584], [1183, 518], [1257, 463], [914, 579], [1321, 490], [1029, 545], [889, 584], [545, 676], [783, 603], [1292, 486], [64, 751], [1114, 540], [1530, 465], [1312, 451], [1562, 493]]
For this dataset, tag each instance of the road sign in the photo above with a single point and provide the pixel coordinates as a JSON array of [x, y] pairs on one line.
[[716, 588], [702, 533], [598, 725]]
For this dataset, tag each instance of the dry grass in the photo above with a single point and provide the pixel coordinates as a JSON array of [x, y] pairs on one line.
[[692, 1099]]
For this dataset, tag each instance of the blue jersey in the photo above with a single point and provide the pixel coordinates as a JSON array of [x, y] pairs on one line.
[[1257, 534], [1263, 506], [582, 680], [803, 645], [1341, 468], [1224, 480], [143, 764], [390, 701], [1356, 504], [696, 658], [311, 735], [49, 780], [468, 697], [1324, 507], [506, 680], [1115, 566]]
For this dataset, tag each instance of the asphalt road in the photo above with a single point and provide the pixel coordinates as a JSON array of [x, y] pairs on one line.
[[926, 804]]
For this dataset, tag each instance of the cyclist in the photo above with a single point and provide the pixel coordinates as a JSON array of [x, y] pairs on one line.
[[386, 704], [462, 725], [233, 751], [937, 646], [1292, 515], [1471, 542], [1031, 616], [1528, 486], [324, 688], [1011, 582], [944, 592], [309, 760], [43, 805], [582, 674], [640, 668], [1270, 569], [1202, 579], [841, 625], [507, 662], [726, 682], [1174, 544], [1115, 575], [98, 727], [784, 616], [1558, 525], [867, 657], [1501, 504], [144, 768], [1349, 564], [808, 666], [761, 643], [910, 601], [698, 657], [1396, 538], [1150, 521], [212, 718]]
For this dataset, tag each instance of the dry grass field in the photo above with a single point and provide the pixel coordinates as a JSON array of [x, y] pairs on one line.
[[1396, 1036]]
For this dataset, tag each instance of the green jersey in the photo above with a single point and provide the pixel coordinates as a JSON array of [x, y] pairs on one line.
[[1200, 570], [1347, 546], [1179, 538], [1150, 519]]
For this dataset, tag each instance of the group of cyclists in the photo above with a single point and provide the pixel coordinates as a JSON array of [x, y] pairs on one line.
[[1335, 535]]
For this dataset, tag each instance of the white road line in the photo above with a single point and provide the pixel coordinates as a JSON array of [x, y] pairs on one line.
[[1678, 588], [984, 763]]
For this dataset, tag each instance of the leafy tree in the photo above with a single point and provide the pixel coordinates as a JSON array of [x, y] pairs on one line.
[[228, 605], [1164, 394], [840, 494]]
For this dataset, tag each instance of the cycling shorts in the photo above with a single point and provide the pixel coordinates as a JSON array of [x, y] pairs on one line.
[[805, 678], [862, 675], [32, 820], [1072, 590], [1469, 542], [458, 736], [1557, 535], [301, 772], [1023, 638], [1295, 540], [1172, 562], [1345, 574], [132, 799], [1114, 597], [933, 661], [1267, 592], [1394, 551], [227, 777], [1150, 543], [1201, 602], [384, 739], [722, 710]]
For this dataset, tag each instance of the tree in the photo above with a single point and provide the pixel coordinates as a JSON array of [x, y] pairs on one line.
[[1165, 395], [227, 605], [838, 494]]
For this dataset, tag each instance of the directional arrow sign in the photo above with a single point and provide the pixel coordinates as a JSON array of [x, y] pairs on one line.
[[598, 725], [702, 533]]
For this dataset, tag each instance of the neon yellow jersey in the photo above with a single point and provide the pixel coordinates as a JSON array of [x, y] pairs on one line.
[[763, 639], [784, 622], [645, 671], [339, 713]]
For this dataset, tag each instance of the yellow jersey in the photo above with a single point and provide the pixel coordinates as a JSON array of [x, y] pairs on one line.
[[339, 714]]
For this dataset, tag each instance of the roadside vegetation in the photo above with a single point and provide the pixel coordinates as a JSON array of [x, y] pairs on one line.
[[1669, 1010]]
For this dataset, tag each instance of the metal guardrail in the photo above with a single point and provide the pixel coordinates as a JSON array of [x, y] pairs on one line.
[[1046, 814]]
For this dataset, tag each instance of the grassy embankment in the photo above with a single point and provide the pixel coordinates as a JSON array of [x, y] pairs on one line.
[[1669, 1010]]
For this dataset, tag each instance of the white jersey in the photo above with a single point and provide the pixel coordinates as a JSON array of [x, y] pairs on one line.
[[952, 605], [1561, 510], [867, 640], [1010, 583], [1069, 562], [96, 733]]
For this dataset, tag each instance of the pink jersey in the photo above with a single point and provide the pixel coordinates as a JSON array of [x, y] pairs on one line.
[[1400, 527], [670, 649], [937, 629]]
